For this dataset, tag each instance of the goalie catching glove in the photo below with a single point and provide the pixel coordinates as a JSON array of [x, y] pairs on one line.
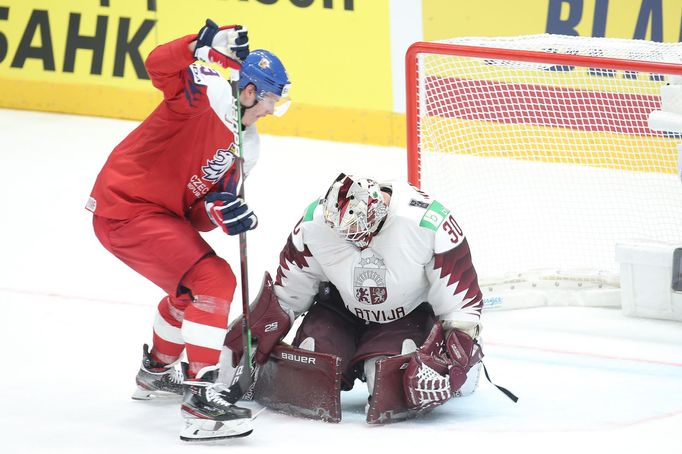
[[227, 46], [439, 367], [229, 212]]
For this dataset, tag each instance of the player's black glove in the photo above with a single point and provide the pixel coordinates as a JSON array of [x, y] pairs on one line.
[[227, 46]]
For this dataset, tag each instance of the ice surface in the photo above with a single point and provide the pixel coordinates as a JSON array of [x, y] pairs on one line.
[[74, 319]]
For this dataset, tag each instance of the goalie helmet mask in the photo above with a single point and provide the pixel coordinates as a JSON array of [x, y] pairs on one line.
[[354, 208]]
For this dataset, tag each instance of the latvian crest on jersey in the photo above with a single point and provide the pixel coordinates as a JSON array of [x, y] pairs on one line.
[[369, 279]]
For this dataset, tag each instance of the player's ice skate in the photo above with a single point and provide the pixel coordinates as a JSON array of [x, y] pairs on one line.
[[208, 416], [157, 380]]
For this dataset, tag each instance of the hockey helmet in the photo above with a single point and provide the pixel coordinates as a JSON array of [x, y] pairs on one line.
[[264, 70], [354, 208]]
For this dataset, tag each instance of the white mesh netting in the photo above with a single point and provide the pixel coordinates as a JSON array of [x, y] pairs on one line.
[[549, 165]]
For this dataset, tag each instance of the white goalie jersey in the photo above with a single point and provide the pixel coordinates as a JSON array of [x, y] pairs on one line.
[[419, 255]]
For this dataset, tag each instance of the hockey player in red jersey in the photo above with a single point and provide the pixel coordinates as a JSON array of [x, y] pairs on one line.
[[381, 271], [177, 175]]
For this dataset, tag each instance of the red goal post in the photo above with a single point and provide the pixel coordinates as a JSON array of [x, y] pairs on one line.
[[541, 146]]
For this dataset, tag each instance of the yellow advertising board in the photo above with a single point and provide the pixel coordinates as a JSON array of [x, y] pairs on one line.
[[87, 57], [656, 20], [344, 57], [77, 57]]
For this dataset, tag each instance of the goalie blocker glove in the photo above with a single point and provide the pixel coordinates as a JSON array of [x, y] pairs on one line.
[[269, 324], [227, 46], [229, 212]]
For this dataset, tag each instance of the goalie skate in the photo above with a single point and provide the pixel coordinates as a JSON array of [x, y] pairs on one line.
[[157, 380], [208, 416]]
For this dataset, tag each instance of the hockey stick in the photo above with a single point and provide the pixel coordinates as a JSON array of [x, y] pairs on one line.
[[243, 380]]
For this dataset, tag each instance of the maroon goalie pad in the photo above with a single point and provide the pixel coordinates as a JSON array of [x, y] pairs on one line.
[[388, 402], [301, 383]]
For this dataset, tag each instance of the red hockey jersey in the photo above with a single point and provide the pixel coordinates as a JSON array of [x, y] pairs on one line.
[[182, 150]]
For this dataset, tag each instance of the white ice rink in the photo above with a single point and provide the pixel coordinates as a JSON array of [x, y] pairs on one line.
[[74, 319]]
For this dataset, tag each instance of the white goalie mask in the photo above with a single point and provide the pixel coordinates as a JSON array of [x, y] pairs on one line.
[[354, 208]]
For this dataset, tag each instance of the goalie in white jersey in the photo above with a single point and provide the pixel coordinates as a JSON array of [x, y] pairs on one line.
[[379, 270]]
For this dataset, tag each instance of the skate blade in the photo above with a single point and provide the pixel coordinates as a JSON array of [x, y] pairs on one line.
[[147, 394], [208, 430]]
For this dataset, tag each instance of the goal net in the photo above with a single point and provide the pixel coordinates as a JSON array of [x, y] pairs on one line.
[[541, 147]]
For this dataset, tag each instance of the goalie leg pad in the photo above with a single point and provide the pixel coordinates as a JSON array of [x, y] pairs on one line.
[[389, 402], [301, 383], [269, 324]]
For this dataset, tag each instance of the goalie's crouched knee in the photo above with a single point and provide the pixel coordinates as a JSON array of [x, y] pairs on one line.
[[269, 324]]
